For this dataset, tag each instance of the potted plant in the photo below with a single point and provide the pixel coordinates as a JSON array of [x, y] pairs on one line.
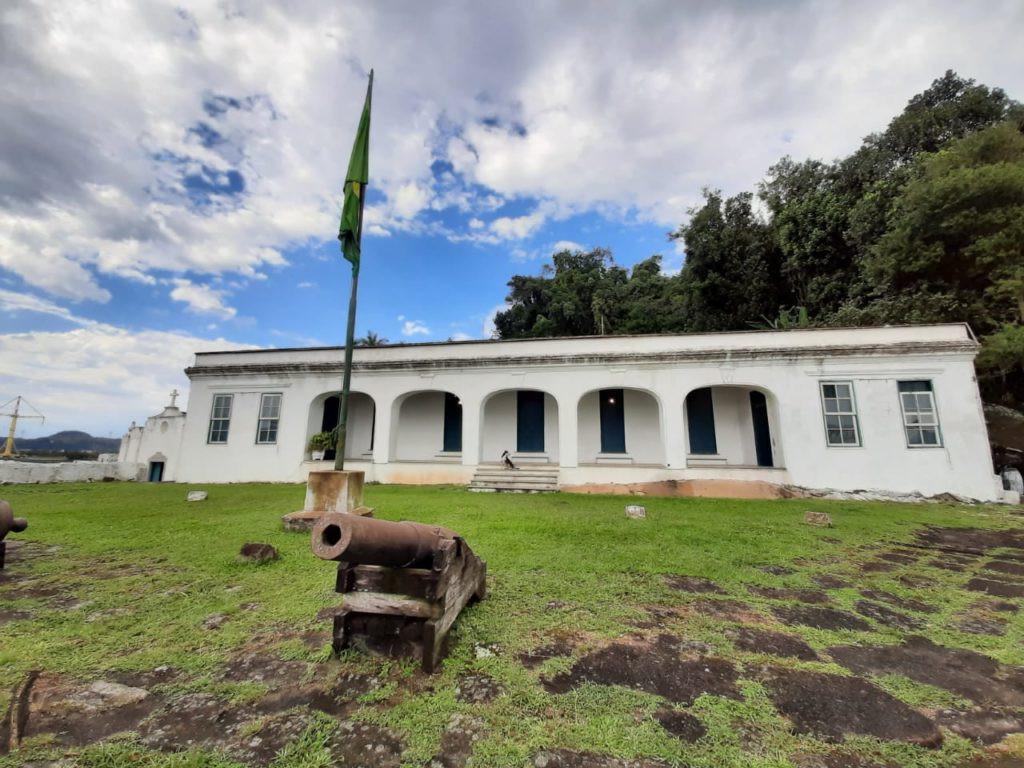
[[319, 444]]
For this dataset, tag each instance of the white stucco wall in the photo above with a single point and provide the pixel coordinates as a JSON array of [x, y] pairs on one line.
[[786, 365]]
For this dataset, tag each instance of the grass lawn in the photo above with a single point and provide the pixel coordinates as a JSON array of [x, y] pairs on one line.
[[129, 583]]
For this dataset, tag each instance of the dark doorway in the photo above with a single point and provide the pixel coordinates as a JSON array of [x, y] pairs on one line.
[[762, 432], [700, 417], [452, 424], [156, 471], [613, 421], [529, 422], [332, 415], [332, 409]]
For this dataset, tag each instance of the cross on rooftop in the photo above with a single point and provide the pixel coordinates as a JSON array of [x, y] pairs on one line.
[[174, 396]]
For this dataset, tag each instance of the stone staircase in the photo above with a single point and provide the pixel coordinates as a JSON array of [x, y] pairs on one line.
[[538, 478]]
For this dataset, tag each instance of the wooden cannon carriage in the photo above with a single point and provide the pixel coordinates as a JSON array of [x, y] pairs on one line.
[[404, 584]]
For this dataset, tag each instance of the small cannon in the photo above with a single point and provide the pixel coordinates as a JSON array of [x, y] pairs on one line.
[[8, 524], [404, 583]]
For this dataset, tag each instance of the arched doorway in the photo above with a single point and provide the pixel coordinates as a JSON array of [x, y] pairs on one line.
[[731, 425], [323, 417], [523, 422], [620, 426], [427, 427]]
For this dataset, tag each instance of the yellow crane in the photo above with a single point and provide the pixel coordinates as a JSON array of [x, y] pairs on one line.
[[12, 408]]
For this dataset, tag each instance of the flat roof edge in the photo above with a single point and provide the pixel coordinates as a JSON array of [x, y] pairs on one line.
[[467, 342]]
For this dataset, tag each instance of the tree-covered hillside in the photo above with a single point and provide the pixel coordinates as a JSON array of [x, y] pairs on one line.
[[923, 223]]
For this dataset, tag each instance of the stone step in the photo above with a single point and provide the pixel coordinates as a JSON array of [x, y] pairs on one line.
[[526, 479], [518, 475], [505, 488]]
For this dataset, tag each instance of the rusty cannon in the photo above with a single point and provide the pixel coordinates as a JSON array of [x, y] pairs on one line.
[[8, 524], [403, 584]]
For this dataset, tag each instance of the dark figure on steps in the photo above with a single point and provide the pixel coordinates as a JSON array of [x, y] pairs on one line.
[[508, 461]]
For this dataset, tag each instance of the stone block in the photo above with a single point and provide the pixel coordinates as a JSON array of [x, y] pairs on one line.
[[257, 553], [820, 519], [636, 511], [333, 491], [196, 496]]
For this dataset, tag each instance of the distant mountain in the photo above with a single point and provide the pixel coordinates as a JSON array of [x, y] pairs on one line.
[[62, 442]]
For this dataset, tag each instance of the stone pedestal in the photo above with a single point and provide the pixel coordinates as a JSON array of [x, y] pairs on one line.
[[329, 491]]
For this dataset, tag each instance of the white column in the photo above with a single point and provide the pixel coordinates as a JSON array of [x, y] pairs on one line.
[[568, 429], [471, 426], [383, 420], [672, 429]]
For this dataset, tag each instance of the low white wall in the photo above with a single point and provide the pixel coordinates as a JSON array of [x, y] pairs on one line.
[[19, 472]]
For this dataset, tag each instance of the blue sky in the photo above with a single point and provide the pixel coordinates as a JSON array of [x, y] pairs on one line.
[[170, 176]]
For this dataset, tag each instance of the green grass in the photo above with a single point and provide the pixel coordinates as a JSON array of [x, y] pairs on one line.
[[143, 569]]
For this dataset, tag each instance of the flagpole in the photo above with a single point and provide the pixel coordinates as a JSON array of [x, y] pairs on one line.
[[350, 334]]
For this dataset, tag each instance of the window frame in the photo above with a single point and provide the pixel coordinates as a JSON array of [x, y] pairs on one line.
[[935, 414], [260, 418], [855, 413], [213, 409]]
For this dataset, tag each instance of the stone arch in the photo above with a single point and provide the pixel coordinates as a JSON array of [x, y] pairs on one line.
[[642, 439], [526, 425], [362, 414], [426, 425], [746, 426]]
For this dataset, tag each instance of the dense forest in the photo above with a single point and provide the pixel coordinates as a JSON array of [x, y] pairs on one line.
[[924, 222]]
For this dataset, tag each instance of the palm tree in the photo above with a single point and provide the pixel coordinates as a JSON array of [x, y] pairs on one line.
[[371, 339]]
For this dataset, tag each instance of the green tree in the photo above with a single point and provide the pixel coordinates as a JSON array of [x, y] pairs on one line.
[[371, 339], [573, 296], [809, 203], [731, 276], [954, 245]]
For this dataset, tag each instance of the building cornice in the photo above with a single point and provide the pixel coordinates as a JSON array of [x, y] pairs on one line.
[[960, 347]]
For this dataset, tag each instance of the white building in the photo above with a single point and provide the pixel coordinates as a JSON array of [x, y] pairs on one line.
[[892, 409]]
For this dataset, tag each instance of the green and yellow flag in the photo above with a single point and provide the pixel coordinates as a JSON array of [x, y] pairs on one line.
[[351, 231]]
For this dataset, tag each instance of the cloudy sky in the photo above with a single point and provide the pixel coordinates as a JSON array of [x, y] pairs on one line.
[[170, 174]]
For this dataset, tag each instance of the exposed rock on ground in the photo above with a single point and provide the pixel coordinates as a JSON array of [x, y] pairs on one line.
[[654, 667], [967, 673], [887, 616], [477, 689], [693, 584], [810, 596], [833, 706], [775, 643], [682, 725], [253, 552], [563, 758], [820, 618]]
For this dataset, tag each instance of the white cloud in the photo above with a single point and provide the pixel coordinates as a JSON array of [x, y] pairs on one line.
[[566, 245], [413, 327], [201, 299], [461, 336], [13, 301], [111, 123], [306, 284], [517, 227], [97, 378]]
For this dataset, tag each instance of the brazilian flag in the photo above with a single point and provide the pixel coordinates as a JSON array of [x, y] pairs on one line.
[[351, 231]]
